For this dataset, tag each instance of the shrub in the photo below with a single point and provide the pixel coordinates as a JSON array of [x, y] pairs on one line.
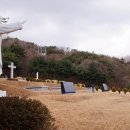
[[96, 88], [52, 81], [83, 85], [129, 90], [128, 86], [113, 89], [78, 85], [58, 81], [29, 79], [119, 90], [24, 114], [125, 90], [48, 81], [55, 81]]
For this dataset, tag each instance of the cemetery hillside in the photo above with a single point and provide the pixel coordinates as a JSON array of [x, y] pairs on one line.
[[54, 88], [63, 64]]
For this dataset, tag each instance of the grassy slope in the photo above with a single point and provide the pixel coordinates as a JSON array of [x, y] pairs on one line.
[[82, 110]]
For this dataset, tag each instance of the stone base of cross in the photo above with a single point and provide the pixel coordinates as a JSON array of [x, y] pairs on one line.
[[12, 67]]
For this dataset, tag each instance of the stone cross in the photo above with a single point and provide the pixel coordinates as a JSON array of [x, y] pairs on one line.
[[12, 67], [37, 75]]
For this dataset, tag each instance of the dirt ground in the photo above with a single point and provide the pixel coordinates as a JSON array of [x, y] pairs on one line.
[[83, 110]]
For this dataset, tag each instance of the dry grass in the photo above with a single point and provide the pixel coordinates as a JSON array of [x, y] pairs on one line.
[[89, 111], [85, 111]]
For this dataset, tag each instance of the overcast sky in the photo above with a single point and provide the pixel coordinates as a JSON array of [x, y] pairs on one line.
[[102, 26]]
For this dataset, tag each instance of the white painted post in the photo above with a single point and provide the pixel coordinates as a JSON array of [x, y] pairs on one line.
[[37, 75]]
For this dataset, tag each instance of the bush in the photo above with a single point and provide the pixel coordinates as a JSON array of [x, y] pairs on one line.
[[52, 81], [129, 90], [29, 78], [113, 89], [125, 90], [96, 88], [58, 81], [48, 80], [78, 85], [24, 114], [128, 86], [119, 90], [83, 85]]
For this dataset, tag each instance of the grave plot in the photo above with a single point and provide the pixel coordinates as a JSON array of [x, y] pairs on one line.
[[40, 88]]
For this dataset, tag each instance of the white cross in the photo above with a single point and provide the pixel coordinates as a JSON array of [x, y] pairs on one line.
[[12, 67]]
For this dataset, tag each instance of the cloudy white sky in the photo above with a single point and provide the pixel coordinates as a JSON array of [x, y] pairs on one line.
[[102, 26]]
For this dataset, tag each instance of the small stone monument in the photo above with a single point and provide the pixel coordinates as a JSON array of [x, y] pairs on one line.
[[67, 87], [12, 67], [2, 93], [91, 88], [105, 87], [37, 75]]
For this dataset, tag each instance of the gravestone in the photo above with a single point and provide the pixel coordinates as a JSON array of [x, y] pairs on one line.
[[91, 89], [105, 87], [37, 75], [67, 87], [2, 93]]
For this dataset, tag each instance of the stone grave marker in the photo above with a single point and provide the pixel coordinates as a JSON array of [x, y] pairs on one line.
[[91, 88], [67, 87], [37, 75], [105, 87], [2, 93]]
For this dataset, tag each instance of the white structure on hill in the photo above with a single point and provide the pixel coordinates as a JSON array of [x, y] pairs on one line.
[[42, 51]]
